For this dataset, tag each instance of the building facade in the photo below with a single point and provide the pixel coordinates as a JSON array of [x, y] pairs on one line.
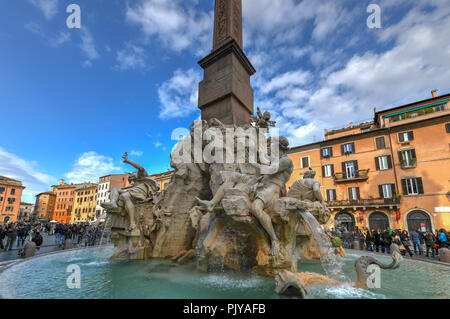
[[85, 203], [44, 206], [392, 172], [65, 197], [25, 212], [10, 197], [105, 184], [163, 179]]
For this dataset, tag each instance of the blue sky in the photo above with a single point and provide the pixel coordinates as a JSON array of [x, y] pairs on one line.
[[73, 100]]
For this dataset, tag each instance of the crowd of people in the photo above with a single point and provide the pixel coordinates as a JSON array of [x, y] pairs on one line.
[[23, 232], [414, 243]]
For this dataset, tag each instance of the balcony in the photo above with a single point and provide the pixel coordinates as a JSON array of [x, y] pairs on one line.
[[360, 175], [408, 164], [372, 202]]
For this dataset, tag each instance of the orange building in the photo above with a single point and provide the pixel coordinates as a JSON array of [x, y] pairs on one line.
[[392, 172], [65, 196], [44, 206], [10, 197]]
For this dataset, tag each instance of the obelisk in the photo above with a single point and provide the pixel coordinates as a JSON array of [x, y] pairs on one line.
[[225, 92]]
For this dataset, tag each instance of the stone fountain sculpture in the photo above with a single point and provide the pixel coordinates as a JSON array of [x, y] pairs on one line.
[[226, 215]]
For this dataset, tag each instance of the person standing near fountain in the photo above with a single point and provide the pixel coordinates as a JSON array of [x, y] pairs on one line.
[[124, 199]]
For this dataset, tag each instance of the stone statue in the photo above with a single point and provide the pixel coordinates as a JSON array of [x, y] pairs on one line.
[[124, 200], [265, 189], [262, 120]]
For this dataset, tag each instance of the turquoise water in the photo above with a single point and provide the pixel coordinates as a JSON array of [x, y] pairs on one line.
[[45, 277]]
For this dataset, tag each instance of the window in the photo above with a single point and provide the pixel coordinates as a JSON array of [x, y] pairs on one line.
[[353, 193], [9, 208], [387, 190], [13, 191], [331, 195], [412, 186], [405, 136], [326, 152], [328, 170], [2, 189], [349, 169], [380, 142], [305, 162], [407, 158], [447, 128], [348, 148], [383, 162]]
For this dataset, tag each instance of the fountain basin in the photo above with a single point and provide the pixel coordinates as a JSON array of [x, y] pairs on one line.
[[45, 277]]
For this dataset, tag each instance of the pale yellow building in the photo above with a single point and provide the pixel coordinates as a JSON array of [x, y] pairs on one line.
[[85, 203]]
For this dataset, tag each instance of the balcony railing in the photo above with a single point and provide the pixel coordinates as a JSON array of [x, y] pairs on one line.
[[408, 164], [365, 202], [361, 174]]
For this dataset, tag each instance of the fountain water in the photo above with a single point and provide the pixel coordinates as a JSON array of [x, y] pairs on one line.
[[332, 263]]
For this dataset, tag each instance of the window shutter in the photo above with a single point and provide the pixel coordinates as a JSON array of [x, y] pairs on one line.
[[331, 151], [400, 137], [410, 135], [447, 127], [389, 161], [380, 189], [333, 191], [355, 163], [404, 188], [323, 171], [393, 189], [400, 157], [332, 169], [413, 153], [350, 194], [321, 153], [420, 185], [358, 195], [344, 172], [377, 163], [353, 147], [342, 149]]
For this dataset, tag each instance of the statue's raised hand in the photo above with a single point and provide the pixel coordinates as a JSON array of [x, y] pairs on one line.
[[125, 157]]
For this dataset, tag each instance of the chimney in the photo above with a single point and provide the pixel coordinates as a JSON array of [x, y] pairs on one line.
[[434, 93]]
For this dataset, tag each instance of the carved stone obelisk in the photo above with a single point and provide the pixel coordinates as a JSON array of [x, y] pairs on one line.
[[225, 92]]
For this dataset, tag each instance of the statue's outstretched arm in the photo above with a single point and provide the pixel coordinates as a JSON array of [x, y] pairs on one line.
[[317, 192], [135, 165]]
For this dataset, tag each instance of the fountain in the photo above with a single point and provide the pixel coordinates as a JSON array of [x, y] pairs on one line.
[[222, 228]]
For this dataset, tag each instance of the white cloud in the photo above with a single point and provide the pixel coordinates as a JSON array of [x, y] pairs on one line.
[[343, 90], [55, 40], [136, 153], [131, 58], [88, 48], [179, 95], [48, 7], [90, 166], [176, 23], [17, 168]]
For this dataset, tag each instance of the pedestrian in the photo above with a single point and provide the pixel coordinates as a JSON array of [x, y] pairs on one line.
[[443, 238], [12, 235], [405, 239], [386, 241], [368, 238], [415, 239], [2, 235], [37, 239], [430, 241]]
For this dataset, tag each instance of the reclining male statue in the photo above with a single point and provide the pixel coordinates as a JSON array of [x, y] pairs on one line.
[[266, 188], [124, 200]]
